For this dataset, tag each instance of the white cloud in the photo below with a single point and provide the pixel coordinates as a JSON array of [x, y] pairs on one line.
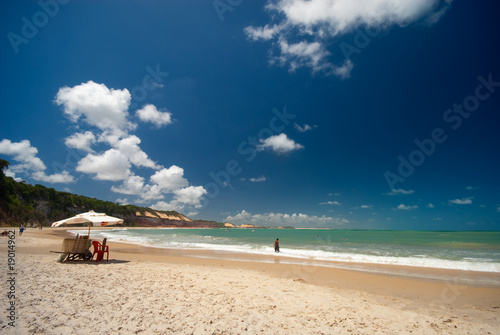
[[257, 180], [111, 165], [330, 203], [400, 191], [430, 205], [366, 206], [280, 144], [498, 209], [303, 129], [96, 104], [122, 201], [81, 141], [11, 174], [170, 179], [165, 206], [280, 219], [133, 185], [149, 113], [406, 208], [63, 177], [304, 54], [436, 16], [471, 188], [24, 153], [191, 195], [265, 33], [463, 201], [315, 23], [129, 147], [334, 17]]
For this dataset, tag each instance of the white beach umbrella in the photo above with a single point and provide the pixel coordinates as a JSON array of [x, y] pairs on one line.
[[92, 218]]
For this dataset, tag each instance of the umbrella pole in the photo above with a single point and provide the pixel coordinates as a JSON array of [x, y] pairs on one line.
[[90, 224]]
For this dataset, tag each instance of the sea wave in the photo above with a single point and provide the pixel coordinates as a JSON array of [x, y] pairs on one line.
[[222, 244]]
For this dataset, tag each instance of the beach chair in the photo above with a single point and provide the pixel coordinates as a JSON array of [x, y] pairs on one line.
[[75, 249], [100, 250]]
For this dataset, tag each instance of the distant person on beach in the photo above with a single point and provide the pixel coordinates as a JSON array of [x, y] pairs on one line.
[[21, 229], [277, 245]]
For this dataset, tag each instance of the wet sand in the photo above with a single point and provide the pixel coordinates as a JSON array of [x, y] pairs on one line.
[[158, 291]]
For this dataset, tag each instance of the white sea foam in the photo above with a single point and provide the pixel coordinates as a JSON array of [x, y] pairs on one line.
[[360, 256]]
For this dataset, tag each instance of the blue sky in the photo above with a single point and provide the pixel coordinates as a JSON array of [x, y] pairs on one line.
[[336, 113]]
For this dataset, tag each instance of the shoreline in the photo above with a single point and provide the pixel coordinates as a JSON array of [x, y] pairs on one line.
[[300, 267], [170, 292], [463, 277]]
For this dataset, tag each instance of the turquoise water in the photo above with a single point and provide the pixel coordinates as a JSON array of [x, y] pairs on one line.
[[472, 251]]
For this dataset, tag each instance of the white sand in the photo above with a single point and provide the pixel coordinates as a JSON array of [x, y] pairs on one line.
[[131, 295]]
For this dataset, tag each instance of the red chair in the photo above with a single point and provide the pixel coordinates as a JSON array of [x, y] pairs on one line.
[[100, 250]]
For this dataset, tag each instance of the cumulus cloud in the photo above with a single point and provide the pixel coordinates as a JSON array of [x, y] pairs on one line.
[[313, 24], [169, 179], [191, 196], [162, 182], [280, 219], [63, 177], [122, 201], [110, 165], [309, 54], [400, 191], [149, 113], [26, 155], [81, 141], [280, 144], [303, 129], [106, 111], [129, 147], [463, 201], [406, 208], [133, 185], [265, 33], [96, 104], [23, 153], [258, 180], [330, 203], [11, 174]]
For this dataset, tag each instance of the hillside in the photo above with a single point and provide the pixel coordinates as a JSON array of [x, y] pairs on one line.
[[38, 205]]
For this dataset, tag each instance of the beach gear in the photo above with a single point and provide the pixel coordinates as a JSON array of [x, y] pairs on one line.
[[100, 250], [92, 218], [96, 219]]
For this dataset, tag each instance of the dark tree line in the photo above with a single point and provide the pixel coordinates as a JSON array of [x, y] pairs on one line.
[[24, 203]]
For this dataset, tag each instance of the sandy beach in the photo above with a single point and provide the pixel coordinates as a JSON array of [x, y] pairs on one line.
[[154, 291]]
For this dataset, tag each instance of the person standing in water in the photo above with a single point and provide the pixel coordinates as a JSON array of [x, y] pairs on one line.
[[277, 245]]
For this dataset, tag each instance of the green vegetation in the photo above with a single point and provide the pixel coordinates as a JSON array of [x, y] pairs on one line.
[[25, 203]]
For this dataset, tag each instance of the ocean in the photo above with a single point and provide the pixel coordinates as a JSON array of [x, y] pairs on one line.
[[452, 250]]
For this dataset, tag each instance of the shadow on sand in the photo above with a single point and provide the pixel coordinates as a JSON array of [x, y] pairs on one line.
[[111, 261]]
